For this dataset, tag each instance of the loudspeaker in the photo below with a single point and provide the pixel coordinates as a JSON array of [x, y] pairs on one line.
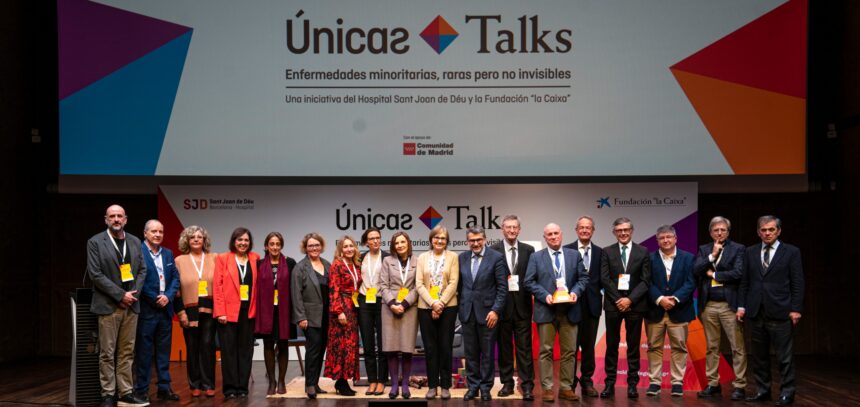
[[84, 385]]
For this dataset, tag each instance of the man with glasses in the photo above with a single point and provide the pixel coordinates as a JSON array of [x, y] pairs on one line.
[[771, 295], [516, 320], [481, 294], [625, 272], [719, 267]]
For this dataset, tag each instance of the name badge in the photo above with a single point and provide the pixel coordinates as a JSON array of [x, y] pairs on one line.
[[434, 292], [243, 292], [513, 282], [125, 272], [355, 298], [401, 295], [560, 283], [715, 283], [276, 296], [202, 288], [161, 287], [370, 295], [624, 282]]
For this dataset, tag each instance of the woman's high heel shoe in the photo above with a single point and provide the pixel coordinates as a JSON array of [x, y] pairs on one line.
[[341, 387], [311, 392], [395, 391]]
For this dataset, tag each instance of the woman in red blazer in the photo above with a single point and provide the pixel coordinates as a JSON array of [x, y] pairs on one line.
[[235, 297]]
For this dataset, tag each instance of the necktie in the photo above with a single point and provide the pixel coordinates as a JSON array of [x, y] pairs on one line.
[[624, 256], [475, 261], [513, 259], [557, 262], [586, 258], [766, 261]]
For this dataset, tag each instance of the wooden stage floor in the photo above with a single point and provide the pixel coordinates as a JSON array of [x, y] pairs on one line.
[[820, 382]]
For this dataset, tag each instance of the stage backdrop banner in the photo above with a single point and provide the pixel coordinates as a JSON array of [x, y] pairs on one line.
[[432, 88], [338, 210]]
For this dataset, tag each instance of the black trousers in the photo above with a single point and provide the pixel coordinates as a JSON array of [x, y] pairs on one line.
[[633, 325], [779, 333], [478, 344], [317, 339], [200, 345], [521, 330], [370, 326], [438, 338], [587, 339], [237, 352]]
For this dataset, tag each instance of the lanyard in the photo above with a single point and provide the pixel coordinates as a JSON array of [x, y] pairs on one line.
[[199, 269], [403, 273], [242, 270], [436, 268], [559, 272], [352, 273], [117, 248], [371, 268]]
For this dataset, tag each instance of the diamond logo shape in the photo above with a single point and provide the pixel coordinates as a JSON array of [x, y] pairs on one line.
[[430, 217], [439, 34]]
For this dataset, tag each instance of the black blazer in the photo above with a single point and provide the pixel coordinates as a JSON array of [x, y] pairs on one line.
[[487, 292], [307, 300], [729, 271], [779, 289], [103, 270], [639, 268], [592, 298], [517, 301]]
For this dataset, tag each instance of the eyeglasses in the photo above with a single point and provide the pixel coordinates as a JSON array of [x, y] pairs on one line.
[[479, 240], [440, 238], [314, 245], [626, 230]]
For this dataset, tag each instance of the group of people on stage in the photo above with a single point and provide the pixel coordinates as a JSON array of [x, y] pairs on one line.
[[379, 301]]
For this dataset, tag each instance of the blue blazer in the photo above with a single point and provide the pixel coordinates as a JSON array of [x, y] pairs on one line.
[[540, 281], [681, 284], [592, 297], [729, 271], [780, 288], [149, 292], [487, 292]]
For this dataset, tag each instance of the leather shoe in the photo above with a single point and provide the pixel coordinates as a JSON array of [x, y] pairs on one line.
[[528, 395], [710, 391], [547, 396], [446, 394], [738, 394], [319, 390], [567, 395], [760, 396], [590, 391], [608, 392], [506, 390], [632, 393], [485, 396], [470, 395], [167, 395], [785, 400]]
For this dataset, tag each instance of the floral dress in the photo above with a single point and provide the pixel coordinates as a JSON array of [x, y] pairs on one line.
[[342, 350]]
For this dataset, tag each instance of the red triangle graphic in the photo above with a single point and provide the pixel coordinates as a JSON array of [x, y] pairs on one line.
[[768, 53], [172, 225]]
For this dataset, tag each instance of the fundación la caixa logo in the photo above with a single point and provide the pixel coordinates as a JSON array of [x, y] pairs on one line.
[[641, 202]]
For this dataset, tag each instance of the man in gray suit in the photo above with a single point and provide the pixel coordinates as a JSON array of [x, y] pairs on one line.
[[116, 267], [557, 278]]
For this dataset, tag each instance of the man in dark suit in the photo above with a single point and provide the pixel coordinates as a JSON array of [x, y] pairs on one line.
[[554, 273], [516, 320], [155, 325], [670, 310], [481, 294], [116, 267], [592, 301], [719, 267], [625, 271], [771, 295]]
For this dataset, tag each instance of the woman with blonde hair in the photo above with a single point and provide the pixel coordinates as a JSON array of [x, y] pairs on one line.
[[342, 351]]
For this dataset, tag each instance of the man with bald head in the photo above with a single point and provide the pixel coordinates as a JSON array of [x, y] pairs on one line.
[[116, 267], [155, 326], [557, 278]]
